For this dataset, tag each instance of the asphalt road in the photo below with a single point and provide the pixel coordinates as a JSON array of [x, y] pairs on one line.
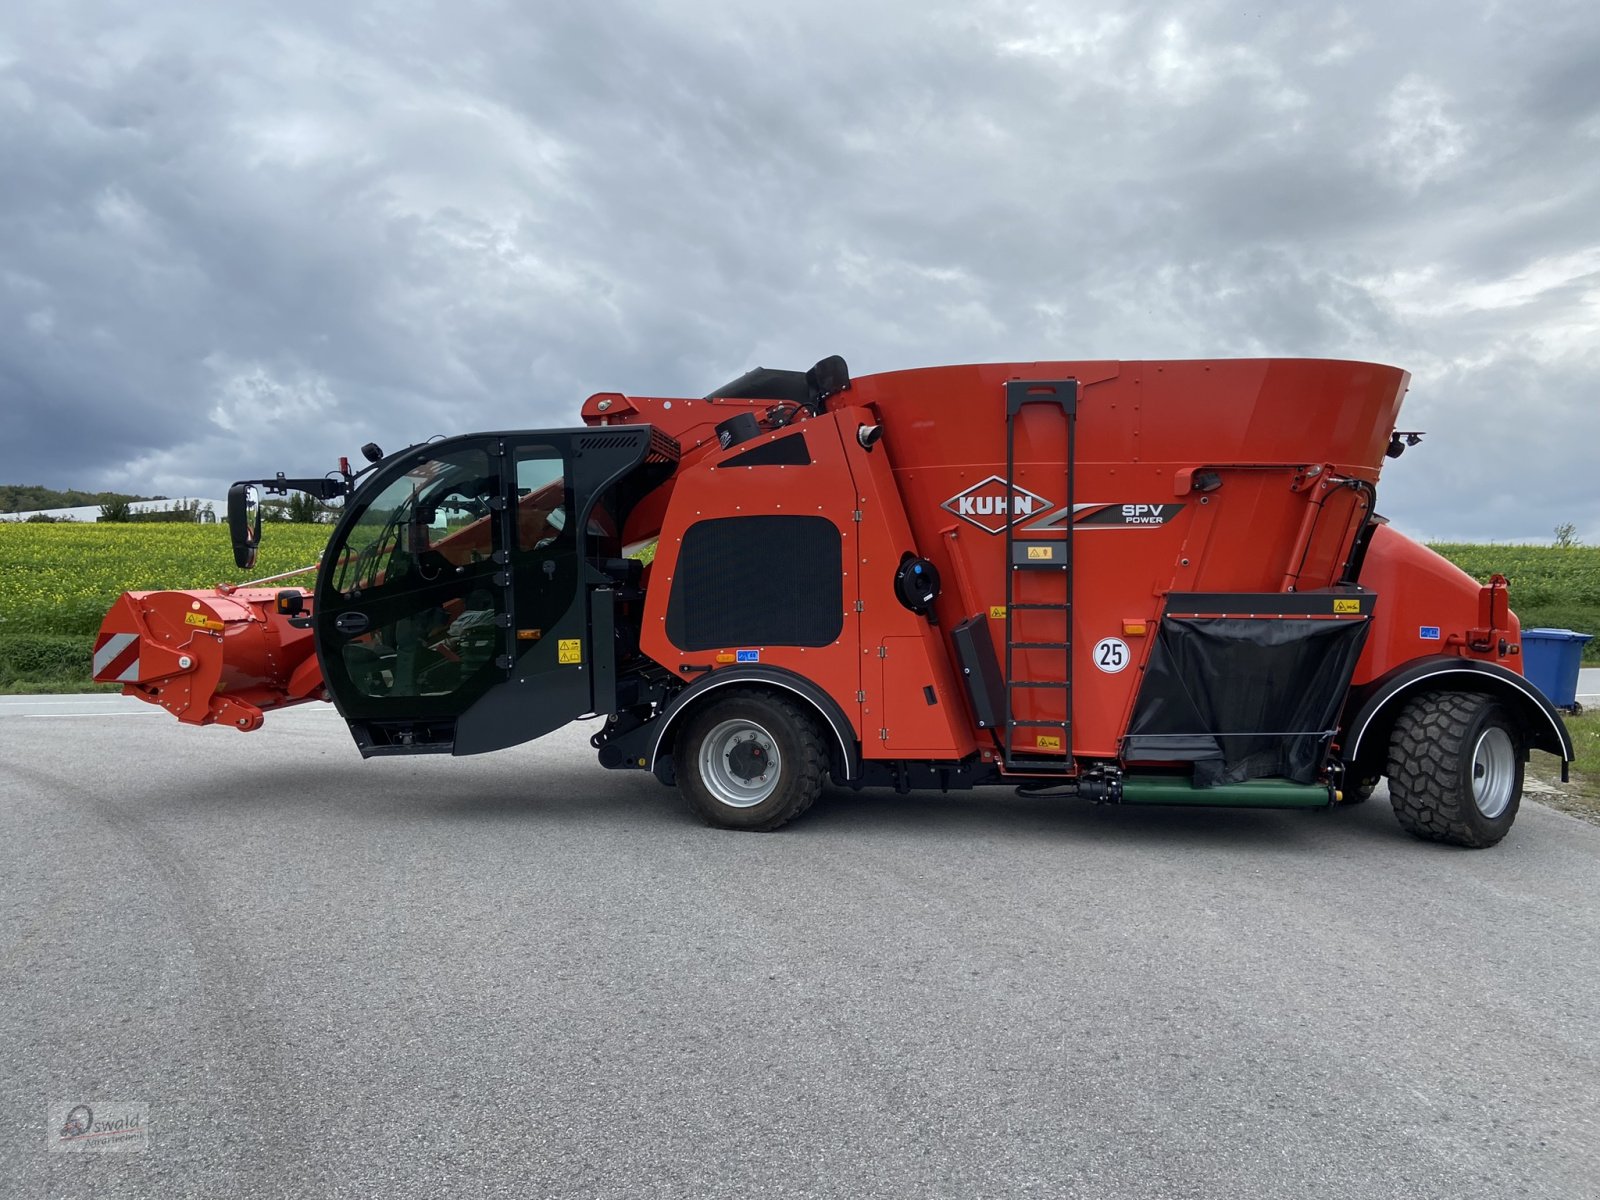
[[523, 976]]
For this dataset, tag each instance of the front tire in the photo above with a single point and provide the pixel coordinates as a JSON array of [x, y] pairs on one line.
[[750, 760], [1455, 769]]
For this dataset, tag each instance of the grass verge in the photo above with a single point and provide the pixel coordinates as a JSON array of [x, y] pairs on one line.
[[1580, 795], [47, 662]]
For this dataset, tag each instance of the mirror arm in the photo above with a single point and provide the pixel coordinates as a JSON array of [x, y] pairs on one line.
[[322, 488], [245, 532]]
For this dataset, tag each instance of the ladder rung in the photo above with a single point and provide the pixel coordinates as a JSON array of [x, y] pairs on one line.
[[1058, 607], [1041, 683], [1016, 724], [1041, 645], [1061, 766]]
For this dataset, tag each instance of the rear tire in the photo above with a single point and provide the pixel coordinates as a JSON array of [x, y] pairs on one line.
[[1455, 769], [750, 760]]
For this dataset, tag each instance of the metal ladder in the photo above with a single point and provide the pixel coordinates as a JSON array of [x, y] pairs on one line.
[[1049, 564]]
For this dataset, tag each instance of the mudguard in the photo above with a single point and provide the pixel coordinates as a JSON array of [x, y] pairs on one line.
[[1380, 699]]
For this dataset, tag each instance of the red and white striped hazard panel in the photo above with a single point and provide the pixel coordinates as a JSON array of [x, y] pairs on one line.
[[116, 658]]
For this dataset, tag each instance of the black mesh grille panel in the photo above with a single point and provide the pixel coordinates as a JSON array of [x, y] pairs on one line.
[[757, 581]]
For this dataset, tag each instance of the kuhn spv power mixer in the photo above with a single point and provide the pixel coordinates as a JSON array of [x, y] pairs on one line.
[[1133, 582]]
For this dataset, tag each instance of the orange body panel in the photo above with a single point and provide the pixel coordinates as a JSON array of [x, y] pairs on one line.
[[1428, 605], [841, 481]]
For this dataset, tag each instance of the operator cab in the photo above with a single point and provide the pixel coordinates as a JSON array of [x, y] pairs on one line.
[[456, 604]]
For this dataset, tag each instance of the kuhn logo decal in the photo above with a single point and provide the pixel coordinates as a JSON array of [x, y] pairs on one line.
[[988, 506]]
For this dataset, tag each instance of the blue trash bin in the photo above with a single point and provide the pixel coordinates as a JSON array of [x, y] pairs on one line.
[[1551, 659]]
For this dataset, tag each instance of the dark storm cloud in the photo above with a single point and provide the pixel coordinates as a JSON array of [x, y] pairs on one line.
[[242, 238]]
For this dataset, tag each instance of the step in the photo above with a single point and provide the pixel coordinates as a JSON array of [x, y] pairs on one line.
[[1047, 766]]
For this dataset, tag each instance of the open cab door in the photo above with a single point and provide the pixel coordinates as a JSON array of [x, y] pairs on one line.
[[456, 609]]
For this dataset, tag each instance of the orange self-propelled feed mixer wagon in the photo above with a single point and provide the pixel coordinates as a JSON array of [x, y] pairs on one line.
[[1130, 582]]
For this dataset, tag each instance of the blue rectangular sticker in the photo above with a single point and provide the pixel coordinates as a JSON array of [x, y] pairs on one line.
[[749, 656], [1429, 633]]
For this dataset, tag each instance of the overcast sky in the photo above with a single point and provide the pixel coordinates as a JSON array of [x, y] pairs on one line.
[[238, 238]]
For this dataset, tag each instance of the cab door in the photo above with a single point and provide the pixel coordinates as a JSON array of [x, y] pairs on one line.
[[453, 604], [414, 598], [549, 530]]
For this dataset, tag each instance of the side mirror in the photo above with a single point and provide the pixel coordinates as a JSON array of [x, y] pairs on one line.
[[242, 497]]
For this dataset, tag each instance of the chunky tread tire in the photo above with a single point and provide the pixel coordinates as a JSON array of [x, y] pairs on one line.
[[1430, 768], [804, 760]]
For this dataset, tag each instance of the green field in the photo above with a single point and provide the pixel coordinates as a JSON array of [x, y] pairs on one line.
[[56, 582], [1550, 588]]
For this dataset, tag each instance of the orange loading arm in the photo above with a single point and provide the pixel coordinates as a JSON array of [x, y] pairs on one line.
[[219, 657]]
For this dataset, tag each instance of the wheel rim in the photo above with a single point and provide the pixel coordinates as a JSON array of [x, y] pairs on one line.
[[740, 763], [1494, 772]]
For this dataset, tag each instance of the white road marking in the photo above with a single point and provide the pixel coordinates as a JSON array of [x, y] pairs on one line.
[[57, 716]]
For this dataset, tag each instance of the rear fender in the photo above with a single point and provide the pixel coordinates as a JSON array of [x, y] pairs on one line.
[[846, 760], [1366, 734]]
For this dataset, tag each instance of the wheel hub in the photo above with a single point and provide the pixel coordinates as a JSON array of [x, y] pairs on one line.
[[748, 760], [740, 763], [1494, 772]]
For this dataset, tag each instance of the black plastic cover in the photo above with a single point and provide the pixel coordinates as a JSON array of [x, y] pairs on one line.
[[1244, 697], [740, 427], [764, 383], [809, 389], [757, 581], [980, 670]]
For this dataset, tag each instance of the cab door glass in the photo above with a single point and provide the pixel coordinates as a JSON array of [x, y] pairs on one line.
[[417, 567], [546, 555], [541, 498]]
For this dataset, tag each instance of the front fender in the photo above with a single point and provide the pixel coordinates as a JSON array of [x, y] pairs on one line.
[[1381, 700]]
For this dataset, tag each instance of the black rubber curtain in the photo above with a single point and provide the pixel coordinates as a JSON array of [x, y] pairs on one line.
[[1243, 697]]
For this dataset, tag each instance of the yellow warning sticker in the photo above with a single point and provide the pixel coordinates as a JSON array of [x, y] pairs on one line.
[[1041, 551], [201, 620], [569, 650], [997, 611], [1347, 606], [1047, 741]]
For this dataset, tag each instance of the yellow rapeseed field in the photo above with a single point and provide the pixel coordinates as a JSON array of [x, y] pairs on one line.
[[60, 579]]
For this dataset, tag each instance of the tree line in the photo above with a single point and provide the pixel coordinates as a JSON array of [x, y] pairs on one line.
[[117, 507], [25, 497]]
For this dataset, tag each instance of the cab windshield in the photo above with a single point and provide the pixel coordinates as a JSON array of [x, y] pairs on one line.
[[436, 517]]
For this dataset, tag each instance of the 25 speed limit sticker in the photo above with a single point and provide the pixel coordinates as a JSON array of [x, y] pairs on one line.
[[1111, 655]]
